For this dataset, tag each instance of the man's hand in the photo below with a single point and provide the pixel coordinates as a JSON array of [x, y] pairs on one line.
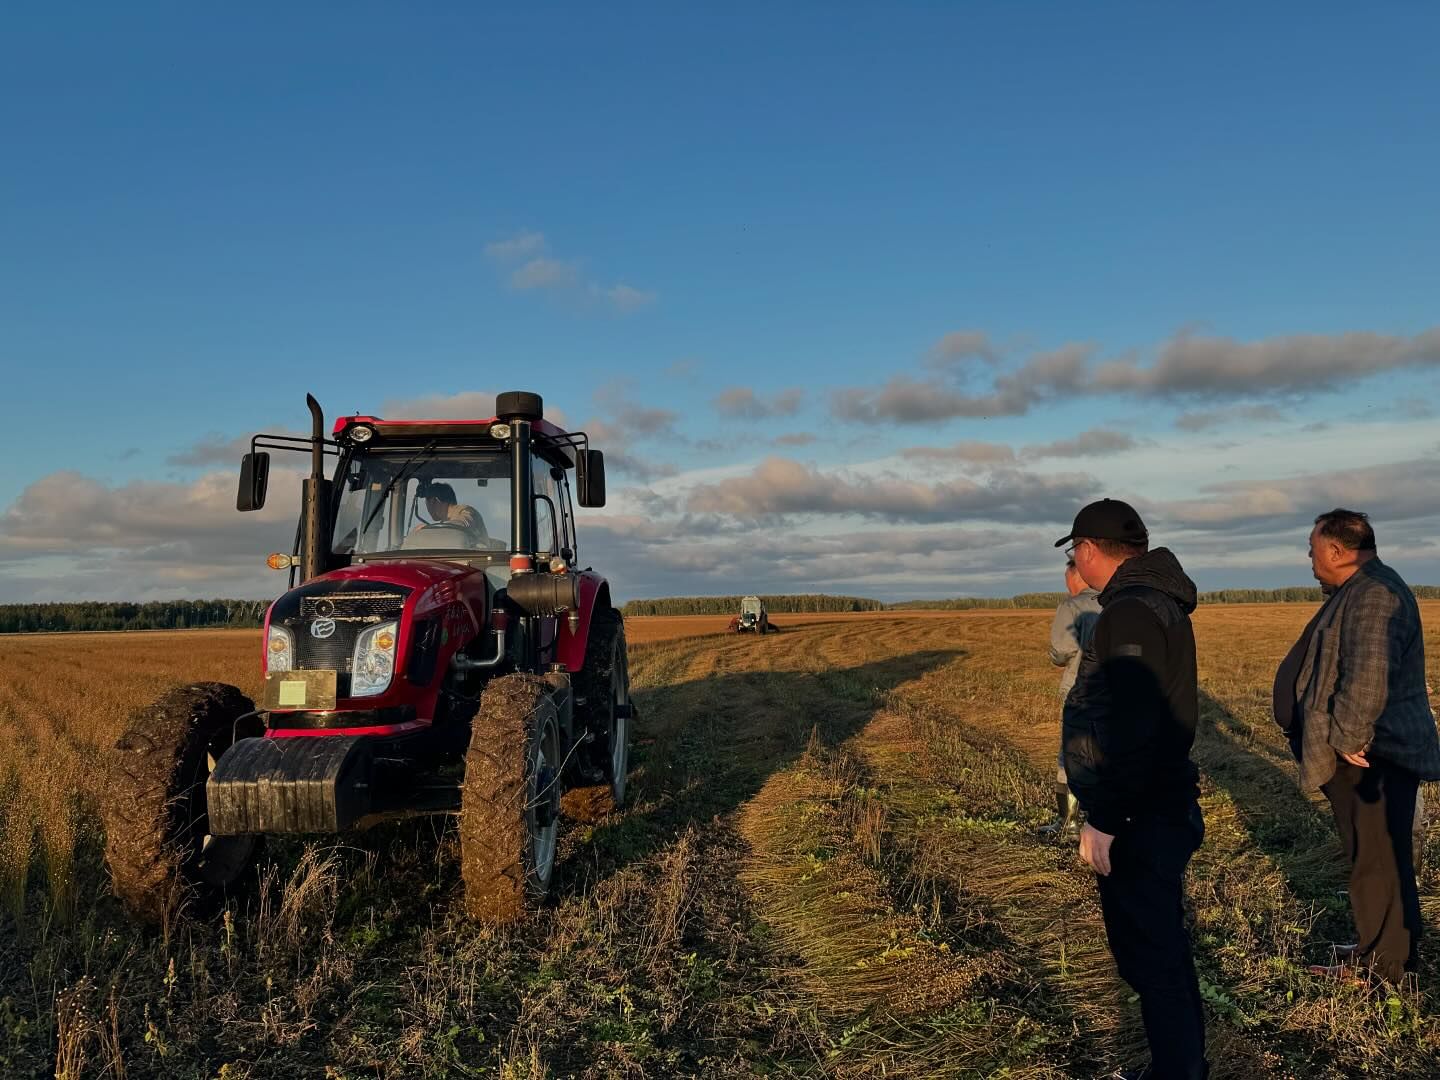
[[1357, 759], [1095, 849]]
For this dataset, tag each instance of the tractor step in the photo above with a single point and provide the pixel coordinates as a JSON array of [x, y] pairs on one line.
[[316, 784]]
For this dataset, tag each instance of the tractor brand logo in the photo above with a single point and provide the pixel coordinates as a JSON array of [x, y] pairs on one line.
[[322, 628]]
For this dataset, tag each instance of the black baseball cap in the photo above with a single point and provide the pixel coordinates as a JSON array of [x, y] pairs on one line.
[[1108, 519]]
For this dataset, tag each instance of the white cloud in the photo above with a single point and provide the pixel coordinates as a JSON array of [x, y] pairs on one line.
[[143, 538], [781, 487], [520, 246], [543, 273], [1188, 367], [962, 345], [967, 451], [1094, 443], [533, 268], [1204, 420], [743, 403], [625, 298]]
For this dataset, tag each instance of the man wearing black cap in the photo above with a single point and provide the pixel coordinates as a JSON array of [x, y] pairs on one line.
[[1129, 725]]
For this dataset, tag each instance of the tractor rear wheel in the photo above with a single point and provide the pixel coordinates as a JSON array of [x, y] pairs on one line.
[[510, 807], [604, 683], [157, 840]]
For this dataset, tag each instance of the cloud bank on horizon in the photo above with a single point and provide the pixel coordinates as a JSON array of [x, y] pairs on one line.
[[1228, 447]]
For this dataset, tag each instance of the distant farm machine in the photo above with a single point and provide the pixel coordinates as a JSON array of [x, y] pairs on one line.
[[753, 618], [438, 652]]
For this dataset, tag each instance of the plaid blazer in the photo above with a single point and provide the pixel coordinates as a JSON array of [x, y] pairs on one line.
[[1362, 684]]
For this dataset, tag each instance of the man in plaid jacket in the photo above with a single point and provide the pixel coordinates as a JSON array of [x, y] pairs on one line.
[[1352, 698]]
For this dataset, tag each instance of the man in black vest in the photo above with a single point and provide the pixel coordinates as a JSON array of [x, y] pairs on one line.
[[1129, 725]]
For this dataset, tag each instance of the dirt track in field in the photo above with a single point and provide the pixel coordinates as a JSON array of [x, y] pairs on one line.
[[670, 627]]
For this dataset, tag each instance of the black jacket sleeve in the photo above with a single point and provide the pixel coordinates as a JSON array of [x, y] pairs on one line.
[[1130, 648]]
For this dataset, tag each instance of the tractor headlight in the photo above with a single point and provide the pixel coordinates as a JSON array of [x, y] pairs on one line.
[[373, 665], [279, 649]]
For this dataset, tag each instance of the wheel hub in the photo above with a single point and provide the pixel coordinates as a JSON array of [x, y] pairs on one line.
[[547, 803]]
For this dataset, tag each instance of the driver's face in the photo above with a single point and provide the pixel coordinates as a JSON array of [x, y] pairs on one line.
[[439, 508]]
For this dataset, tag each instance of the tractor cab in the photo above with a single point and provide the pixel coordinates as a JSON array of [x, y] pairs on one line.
[[750, 611], [753, 618]]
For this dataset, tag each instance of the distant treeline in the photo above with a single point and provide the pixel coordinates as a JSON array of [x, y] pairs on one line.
[[243, 614], [977, 603], [1297, 594], [156, 615], [730, 605], [1310, 595]]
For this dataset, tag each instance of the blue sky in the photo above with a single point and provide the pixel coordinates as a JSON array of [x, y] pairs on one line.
[[639, 210]]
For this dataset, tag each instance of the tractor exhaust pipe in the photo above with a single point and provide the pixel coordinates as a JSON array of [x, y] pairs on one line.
[[315, 499], [520, 409]]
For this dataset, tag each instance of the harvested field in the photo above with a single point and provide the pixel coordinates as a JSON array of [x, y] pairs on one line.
[[672, 627], [829, 867]]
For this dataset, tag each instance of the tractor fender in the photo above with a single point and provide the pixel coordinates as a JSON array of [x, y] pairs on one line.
[[593, 592]]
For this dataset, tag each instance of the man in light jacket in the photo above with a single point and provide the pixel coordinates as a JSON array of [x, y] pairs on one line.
[[1351, 696], [1070, 632]]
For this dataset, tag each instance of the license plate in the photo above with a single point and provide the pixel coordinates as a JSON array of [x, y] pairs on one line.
[[309, 690]]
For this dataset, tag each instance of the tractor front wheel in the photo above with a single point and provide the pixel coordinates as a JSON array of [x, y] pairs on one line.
[[510, 807], [157, 838]]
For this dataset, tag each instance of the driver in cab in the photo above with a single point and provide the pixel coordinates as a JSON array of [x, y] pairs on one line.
[[445, 510]]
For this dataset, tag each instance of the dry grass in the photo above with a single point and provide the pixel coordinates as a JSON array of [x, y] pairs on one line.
[[829, 868]]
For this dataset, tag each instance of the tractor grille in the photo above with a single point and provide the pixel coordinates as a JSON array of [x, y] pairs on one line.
[[348, 614], [334, 652], [372, 607]]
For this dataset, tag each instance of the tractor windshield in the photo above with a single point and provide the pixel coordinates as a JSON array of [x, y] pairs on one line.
[[423, 501]]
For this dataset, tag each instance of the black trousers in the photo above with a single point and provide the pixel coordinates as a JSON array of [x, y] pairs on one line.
[[1143, 901], [1375, 813]]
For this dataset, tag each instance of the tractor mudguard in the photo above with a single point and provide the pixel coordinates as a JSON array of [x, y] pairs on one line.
[[318, 785], [571, 644]]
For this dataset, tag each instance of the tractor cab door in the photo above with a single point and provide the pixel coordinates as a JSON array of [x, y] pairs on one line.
[[549, 539], [569, 543]]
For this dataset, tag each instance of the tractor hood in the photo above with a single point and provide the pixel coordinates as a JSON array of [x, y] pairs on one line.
[[429, 603], [410, 574]]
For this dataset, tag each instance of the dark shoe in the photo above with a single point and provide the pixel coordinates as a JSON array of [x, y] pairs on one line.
[[1067, 822], [1066, 830]]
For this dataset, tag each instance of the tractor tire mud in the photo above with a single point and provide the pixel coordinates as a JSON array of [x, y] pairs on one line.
[[604, 684], [154, 809], [512, 782]]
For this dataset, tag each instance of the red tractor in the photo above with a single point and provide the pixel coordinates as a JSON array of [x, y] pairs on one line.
[[438, 652]]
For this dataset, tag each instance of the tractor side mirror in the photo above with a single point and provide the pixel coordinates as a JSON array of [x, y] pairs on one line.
[[590, 478], [254, 477]]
